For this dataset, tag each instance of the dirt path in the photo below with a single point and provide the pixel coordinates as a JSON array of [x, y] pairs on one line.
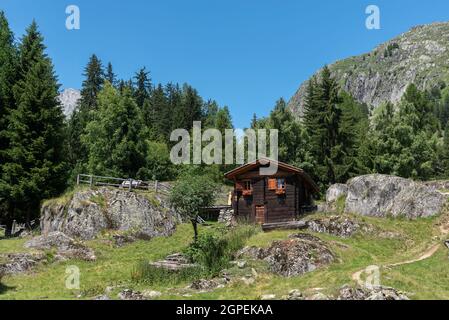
[[444, 229]]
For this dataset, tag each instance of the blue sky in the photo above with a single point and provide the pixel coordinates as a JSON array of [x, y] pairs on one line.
[[243, 53]]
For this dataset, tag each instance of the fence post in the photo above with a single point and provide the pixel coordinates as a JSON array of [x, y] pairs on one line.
[[91, 180], [78, 180], [13, 227], [156, 186], [130, 184]]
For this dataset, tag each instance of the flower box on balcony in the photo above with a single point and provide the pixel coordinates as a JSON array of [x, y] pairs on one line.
[[280, 192], [247, 193]]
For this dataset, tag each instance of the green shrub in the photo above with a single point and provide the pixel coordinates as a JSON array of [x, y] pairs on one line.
[[215, 251]]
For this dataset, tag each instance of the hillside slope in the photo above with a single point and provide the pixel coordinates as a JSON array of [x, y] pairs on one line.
[[419, 56]]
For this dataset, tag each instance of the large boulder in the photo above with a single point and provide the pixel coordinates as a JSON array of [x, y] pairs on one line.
[[90, 212], [335, 192], [300, 254], [381, 195], [65, 247]]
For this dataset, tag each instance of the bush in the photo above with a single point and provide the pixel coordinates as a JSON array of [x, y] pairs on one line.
[[211, 253], [215, 251]]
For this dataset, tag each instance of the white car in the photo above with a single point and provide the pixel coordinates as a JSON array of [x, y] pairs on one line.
[[134, 183]]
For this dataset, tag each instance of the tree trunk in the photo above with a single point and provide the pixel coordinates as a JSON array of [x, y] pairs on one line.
[[195, 228]]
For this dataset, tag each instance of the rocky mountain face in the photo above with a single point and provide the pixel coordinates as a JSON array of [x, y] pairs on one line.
[[89, 212], [69, 99], [419, 56]]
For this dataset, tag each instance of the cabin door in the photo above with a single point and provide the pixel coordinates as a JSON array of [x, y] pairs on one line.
[[260, 214]]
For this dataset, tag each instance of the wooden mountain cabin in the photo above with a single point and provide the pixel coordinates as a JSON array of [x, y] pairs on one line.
[[282, 197]]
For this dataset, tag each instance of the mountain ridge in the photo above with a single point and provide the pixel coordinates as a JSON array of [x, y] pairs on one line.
[[419, 56]]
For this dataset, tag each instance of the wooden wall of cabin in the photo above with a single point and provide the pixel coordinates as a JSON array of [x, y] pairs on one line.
[[282, 208], [278, 208]]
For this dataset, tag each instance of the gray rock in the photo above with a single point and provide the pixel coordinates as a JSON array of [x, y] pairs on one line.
[[376, 293], [446, 243], [91, 211], [335, 225], [102, 297], [335, 192], [204, 285], [151, 294], [122, 240], [66, 247], [251, 252], [268, 297], [382, 195], [241, 264], [227, 217], [129, 294], [19, 263], [301, 254], [295, 294], [318, 296]]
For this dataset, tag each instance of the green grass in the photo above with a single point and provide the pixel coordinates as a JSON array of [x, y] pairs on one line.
[[428, 279]]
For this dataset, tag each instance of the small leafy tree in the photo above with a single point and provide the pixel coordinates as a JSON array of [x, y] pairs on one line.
[[190, 194]]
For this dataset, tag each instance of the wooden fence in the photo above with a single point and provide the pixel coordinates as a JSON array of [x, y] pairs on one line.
[[127, 184]]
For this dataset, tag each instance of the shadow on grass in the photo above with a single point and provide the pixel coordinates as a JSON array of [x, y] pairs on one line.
[[5, 288]]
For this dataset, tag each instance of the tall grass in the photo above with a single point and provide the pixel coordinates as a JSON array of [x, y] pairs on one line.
[[211, 253]]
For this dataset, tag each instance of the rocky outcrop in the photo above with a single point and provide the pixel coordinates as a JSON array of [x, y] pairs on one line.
[[336, 225], [375, 293], [382, 195], [89, 212], [419, 56], [66, 247], [335, 192], [300, 254], [16, 263]]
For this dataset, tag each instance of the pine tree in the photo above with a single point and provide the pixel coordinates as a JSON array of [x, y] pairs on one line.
[[143, 87], [110, 75], [160, 114], [92, 85], [35, 169], [8, 69], [322, 117]]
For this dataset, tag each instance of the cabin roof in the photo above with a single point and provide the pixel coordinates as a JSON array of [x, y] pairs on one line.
[[233, 174]]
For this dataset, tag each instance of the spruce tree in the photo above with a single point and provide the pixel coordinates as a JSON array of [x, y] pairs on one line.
[[142, 87], [92, 84], [8, 76], [35, 167], [110, 75], [87, 106]]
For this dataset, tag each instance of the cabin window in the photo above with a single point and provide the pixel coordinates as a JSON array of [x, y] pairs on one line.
[[247, 188], [272, 184], [281, 186]]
